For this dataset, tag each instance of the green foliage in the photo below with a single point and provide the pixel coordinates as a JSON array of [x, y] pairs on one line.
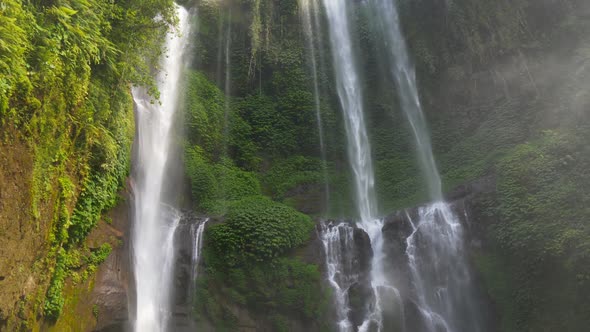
[[258, 229], [540, 236], [54, 300], [99, 255], [14, 37], [540, 185], [279, 291], [205, 114], [498, 283], [216, 185], [215, 126], [95, 311], [289, 173], [200, 173], [271, 130], [65, 71], [268, 119], [67, 263]]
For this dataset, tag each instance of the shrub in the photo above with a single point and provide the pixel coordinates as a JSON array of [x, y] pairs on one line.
[[259, 229]]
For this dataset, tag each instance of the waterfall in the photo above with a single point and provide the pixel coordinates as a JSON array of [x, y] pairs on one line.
[[154, 222], [439, 274], [359, 152], [440, 287], [402, 71], [351, 100], [307, 8], [441, 280], [197, 230]]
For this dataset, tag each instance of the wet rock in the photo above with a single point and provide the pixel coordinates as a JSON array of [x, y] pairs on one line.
[[361, 300], [183, 289], [396, 229], [110, 294], [363, 251], [392, 308], [313, 252]]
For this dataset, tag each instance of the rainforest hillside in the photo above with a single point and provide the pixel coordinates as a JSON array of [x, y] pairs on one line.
[[260, 150]]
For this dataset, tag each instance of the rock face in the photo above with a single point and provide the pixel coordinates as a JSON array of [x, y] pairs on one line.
[[360, 293], [111, 291], [23, 237], [396, 229], [111, 288]]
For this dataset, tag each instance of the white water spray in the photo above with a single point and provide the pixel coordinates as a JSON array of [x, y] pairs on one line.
[[154, 222]]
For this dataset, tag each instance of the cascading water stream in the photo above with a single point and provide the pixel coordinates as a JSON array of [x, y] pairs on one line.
[[402, 71], [441, 287], [439, 274], [154, 222], [197, 230], [359, 152], [307, 8], [351, 100], [337, 240]]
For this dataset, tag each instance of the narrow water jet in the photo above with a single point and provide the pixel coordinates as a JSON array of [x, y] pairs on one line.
[[197, 230], [220, 38], [154, 222]]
